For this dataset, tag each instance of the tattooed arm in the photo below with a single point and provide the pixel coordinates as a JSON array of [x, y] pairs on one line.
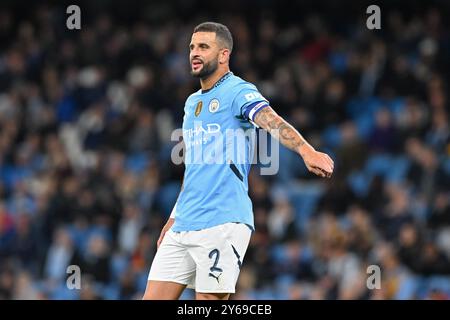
[[316, 162]]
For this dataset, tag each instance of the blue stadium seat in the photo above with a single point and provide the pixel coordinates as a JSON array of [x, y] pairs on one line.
[[304, 198], [407, 288], [167, 196], [137, 162]]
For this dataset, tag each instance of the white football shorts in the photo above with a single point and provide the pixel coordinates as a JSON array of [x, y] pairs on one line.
[[207, 260]]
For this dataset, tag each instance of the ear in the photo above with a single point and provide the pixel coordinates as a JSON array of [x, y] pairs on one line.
[[224, 56]]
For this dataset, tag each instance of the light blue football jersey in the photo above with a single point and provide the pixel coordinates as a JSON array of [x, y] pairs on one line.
[[220, 138]]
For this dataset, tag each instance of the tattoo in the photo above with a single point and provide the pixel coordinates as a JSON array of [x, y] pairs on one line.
[[279, 128]]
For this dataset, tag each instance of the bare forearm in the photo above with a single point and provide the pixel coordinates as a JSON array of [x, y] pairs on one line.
[[317, 162], [280, 129]]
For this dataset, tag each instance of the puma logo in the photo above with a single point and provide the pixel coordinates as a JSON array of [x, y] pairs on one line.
[[239, 262], [215, 277]]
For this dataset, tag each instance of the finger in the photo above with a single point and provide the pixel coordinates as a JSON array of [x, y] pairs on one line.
[[331, 161], [327, 160], [327, 174], [317, 171], [327, 168], [324, 172]]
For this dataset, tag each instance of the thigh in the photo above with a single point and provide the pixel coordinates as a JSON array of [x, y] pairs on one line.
[[172, 262], [211, 296], [218, 256], [163, 290]]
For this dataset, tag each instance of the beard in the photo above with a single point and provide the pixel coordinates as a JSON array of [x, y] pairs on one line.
[[208, 69]]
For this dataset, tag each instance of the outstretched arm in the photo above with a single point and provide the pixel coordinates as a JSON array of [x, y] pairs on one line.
[[317, 162]]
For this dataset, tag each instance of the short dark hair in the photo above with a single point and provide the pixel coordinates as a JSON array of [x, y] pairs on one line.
[[221, 31]]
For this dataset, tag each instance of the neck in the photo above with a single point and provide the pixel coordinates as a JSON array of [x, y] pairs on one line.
[[208, 82]]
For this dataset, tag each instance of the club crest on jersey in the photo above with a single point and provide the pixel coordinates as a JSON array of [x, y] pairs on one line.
[[198, 109], [213, 105]]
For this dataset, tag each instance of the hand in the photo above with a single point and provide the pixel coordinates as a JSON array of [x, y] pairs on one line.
[[317, 162], [166, 228]]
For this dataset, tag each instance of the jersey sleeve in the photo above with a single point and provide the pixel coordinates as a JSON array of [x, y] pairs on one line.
[[248, 102]]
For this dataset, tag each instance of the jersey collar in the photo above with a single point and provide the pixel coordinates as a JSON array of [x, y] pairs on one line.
[[219, 82]]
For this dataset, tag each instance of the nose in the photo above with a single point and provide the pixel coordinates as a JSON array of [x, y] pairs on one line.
[[194, 56], [194, 53]]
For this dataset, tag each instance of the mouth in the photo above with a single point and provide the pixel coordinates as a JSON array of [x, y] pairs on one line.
[[196, 64]]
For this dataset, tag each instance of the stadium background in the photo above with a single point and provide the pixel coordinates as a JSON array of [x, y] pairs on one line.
[[85, 124]]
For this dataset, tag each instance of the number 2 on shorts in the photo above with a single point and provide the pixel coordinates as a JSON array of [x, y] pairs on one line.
[[215, 252]]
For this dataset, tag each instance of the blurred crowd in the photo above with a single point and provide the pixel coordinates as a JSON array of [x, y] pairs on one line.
[[86, 176]]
